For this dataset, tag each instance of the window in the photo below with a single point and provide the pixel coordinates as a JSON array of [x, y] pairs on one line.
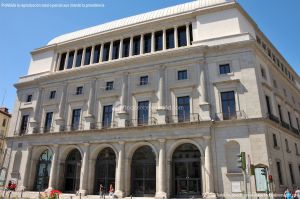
[[191, 33], [275, 83], [147, 43], [4, 122], [97, 54], [109, 86], [170, 38], [136, 45], [126, 46], [116, 48], [79, 90], [296, 149], [263, 73], [158, 41], [87, 57], [29, 98], [143, 80], [106, 48], [290, 119], [183, 106], [24, 124], [143, 112], [70, 59], [268, 105], [182, 75], [79, 58], [275, 141], [107, 116], [228, 105], [224, 69], [278, 165], [75, 119], [280, 114], [62, 61], [48, 122], [287, 145], [291, 173], [52, 94], [182, 36], [297, 120]]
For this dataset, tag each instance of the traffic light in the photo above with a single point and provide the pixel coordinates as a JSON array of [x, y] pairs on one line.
[[264, 171], [242, 161]]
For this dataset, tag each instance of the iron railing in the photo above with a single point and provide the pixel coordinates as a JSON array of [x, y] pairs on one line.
[[193, 117], [104, 125], [235, 115], [283, 123], [75, 127], [141, 122]]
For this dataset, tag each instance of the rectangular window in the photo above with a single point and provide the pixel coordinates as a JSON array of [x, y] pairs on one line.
[[79, 90], [24, 124], [158, 41], [79, 58], [182, 75], [144, 80], [263, 73], [224, 69], [143, 112], [48, 122], [62, 61], [268, 105], [116, 49], [107, 116], [109, 86], [278, 164], [170, 38], [275, 141], [296, 149], [87, 57], [292, 173], [290, 119], [279, 112], [147, 43], [191, 33], [75, 119], [183, 106], [105, 55], [136, 45], [70, 59], [287, 145], [228, 105], [52, 94], [97, 54], [297, 120], [4, 123], [182, 36], [126, 46], [29, 98]]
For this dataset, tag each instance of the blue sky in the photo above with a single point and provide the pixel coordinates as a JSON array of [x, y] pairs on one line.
[[22, 30]]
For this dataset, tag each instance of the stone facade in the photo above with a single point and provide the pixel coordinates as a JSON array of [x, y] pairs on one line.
[[215, 36]]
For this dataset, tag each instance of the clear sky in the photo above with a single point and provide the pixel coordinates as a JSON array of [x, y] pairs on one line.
[[24, 29]]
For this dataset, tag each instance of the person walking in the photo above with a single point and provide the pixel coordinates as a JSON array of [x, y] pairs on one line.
[[101, 191], [297, 193], [288, 194], [111, 191]]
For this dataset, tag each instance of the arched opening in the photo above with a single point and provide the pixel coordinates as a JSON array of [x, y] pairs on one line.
[[186, 171], [105, 170], [143, 172], [43, 171], [72, 171]]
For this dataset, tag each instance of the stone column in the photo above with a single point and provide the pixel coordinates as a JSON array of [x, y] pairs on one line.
[[188, 38], [53, 171], [60, 121], [121, 49], [120, 172], [91, 177], [101, 52], [58, 62], [131, 46], [34, 123], [161, 110], [110, 50], [203, 103], [123, 112], [25, 185], [74, 59], [175, 37], [153, 41], [164, 39], [66, 60], [84, 170], [161, 181], [83, 56], [92, 55], [89, 118], [209, 178], [142, 44]]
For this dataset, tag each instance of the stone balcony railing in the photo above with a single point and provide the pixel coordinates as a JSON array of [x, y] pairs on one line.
[[283, 123]]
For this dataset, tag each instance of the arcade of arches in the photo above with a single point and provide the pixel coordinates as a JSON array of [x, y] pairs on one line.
[[182, 171]]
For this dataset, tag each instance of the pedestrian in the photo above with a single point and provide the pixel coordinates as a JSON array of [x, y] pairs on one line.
[[288, 194], [297, 193], [101, 191], [111, 190]]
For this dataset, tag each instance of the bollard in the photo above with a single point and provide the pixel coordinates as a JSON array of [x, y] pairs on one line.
[[104, 196], [79, 195], [39, 195], [130, 196], [22, 193], [9, 195], [71, 197]]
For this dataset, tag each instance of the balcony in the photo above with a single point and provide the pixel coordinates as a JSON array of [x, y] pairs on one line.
[[74, 127], [141, 122], [236, 115], [43, 129], [273, 118], [104, 125], [282, 123], [193, 117]]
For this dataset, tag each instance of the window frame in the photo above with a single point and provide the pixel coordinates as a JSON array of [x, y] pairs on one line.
[[52, 94], [79, 90], [224, 68], [182, 74]]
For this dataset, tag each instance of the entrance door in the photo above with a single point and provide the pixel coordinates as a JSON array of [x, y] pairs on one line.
[[72, 171], [187, 171]]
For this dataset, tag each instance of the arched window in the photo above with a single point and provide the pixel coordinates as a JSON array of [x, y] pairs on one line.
[[43, 171], [232, 150], [72, 171]]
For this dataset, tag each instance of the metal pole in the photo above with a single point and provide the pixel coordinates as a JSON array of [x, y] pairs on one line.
[[22, 193], [79, 195], [9, 195], [245, 184]]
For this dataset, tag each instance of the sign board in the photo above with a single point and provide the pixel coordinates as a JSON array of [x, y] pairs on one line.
[[236, 187], [260, 180]]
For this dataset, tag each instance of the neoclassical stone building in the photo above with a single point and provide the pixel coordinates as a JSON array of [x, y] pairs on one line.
[[158, 105]]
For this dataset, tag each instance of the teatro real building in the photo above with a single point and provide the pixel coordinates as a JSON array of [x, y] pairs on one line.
[[158, 105]]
